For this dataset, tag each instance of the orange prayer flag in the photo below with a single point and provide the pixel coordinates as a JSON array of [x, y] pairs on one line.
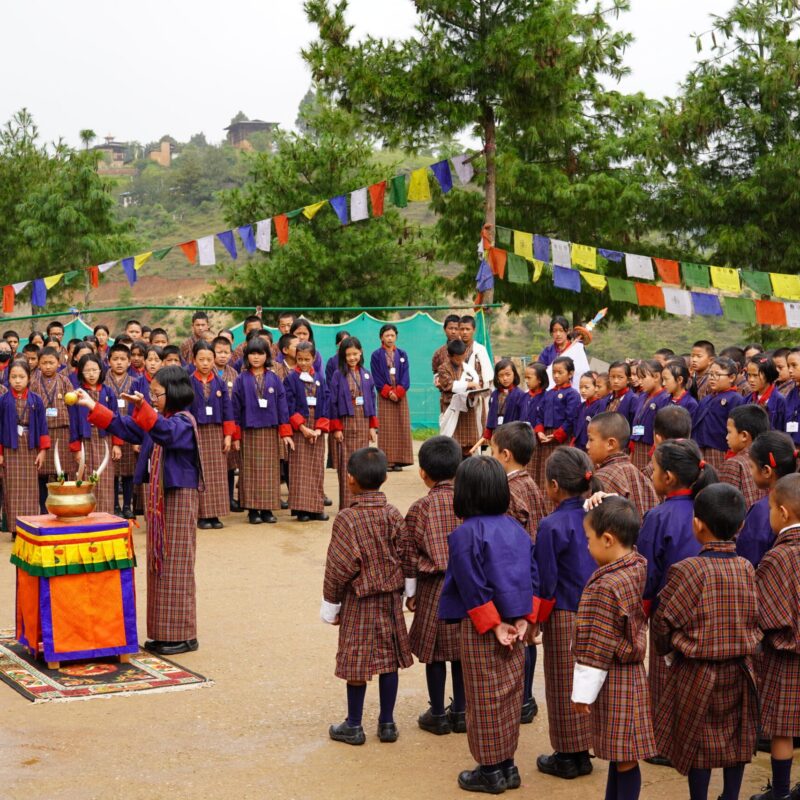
[[497, 261], [94, 277], [8, 299], [377, 194], [769, 312], [189, 250], [281, 222], [649, 295], [668, 270]]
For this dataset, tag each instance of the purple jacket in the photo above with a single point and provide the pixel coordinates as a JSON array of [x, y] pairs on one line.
[[297, 401], [793, 414], [516, 403], [531, 406], [219, 400], [380, 372], [646, 416], [775, 408], [38, 436], [756, 535], [710, 422], [331, 365], [79, 425], [341, 403], [688, 402], [279, 359], [247, 413], [559, 410], [586, 413], [549, 354], [628, 404]]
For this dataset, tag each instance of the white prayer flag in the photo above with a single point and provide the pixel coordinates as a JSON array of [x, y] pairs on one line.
[[18, 287], [561, 254], [792, 314], [463, 168], [264, 234], [677, 301], [639, 266], [205, 247], [107, 266], [358, 205]]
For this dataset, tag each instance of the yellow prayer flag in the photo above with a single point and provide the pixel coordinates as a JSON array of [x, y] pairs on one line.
[[598, 282], [309, 212], [139, 260], [725, 279], [419, 190], [538, 266], [785, 286], [523, 244], [51, 280], [584, 256]]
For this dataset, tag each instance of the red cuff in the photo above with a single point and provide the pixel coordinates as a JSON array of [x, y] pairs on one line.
[[484, 617], [546, 609], [336, 425], [387, 387], [400, 392], [75, 447], [296, 420], [323, 424], [100, 416], [533, 617], [487, 434], [560, 435], [44, 442], [373, 422], [647, 606], [285, 430], [1, 449], [228, 428], [116, 441], [631, 446], [145, 416], [539, 429], [237, 433]]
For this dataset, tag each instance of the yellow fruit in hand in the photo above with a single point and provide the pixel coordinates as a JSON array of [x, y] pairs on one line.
[[70, 398]]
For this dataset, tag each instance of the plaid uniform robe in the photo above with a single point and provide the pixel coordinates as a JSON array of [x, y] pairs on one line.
[[618, 475], [707, 619], [736, 472], [470, 424], [527, 502]]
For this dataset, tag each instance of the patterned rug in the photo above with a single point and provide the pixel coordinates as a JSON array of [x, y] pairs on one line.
[[85, 680]]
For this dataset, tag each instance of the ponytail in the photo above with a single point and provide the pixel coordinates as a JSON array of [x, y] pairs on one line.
[[572, 470], [682, 458], [776, 450]]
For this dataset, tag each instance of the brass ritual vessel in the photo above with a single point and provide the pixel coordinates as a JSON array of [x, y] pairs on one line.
[[74, 499]]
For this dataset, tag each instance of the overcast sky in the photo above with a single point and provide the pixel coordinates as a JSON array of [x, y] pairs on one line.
[[142, 70]]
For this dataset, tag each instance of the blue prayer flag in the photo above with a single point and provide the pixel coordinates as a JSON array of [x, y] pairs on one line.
[[541, 248], [564, 278], [39, 293], [130, 271], [484, 280], [339, 205], [247, 237], [611, 255], [441, 171], [228, 242], [706, 304]]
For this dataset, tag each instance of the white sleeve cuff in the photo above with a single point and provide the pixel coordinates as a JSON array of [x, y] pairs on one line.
[[329, 611], [459, 386], [411, 587], [587, 683]]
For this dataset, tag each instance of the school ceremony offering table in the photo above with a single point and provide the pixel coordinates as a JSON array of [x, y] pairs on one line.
[[76, 597]]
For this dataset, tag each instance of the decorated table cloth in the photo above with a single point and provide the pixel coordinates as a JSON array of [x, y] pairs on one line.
[[76, 595]]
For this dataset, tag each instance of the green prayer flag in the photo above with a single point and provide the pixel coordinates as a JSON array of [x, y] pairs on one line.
[[758, 282], [397, 191], [503, 238], [695, 275], [160, 255], [516, 269], [292, 214], [70, 276], [740, 309], [622, 291]]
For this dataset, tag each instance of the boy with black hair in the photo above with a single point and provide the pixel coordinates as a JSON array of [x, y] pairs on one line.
[[133, 328], [663, 355], [609, 681], [199, 327], [146, 333], [171, 356], [159, 337], [706, 626], [121, 382], [451, 331], [251, 323], [745, 423], [700, 360], [779, 359], [607, 444], [363, 594], [424, 553], [287, 346], [55, 335], [31, 353], [227, 374], [460, 415], [12, 337]]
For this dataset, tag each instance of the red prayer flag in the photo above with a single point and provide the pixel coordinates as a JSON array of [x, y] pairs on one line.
[[769, 312], [497, 261], [281, 222], [649, 295], [377, 193], [8, 299], [94, 277], [669, 271], [189, 250]]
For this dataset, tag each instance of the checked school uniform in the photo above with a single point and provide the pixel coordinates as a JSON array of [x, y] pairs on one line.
[[707, 621], [586, 413], [736, 472], [564, 566], [52, 391], [491, 577], [624, 402], [774, 403], [610, 645], [527, 504], [228, 376], [756, 535], [307, 402], [364, 577], [619, 476], [262, 419], [709, 425], [505, 405], [536, 465], [424, 553], [778, 586], [452, 380], [641, 442], [698, 385], [351, 411], [390, 371], [124, 468]]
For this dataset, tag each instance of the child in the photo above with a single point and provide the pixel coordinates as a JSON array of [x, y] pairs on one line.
[[603, 387], [262, 422], [537, 382], [778, 587], [707, 625], [672, 422], [159, 337], [171, 355], [301, 328], [779, 359], [451, 327], [761, 377], [120, 381], [565, 566], [12, 338], [287, 349], [664, 355], [390, 369], [363, 594], [460, 415], [606, 446], [429, 521], [736, 354], [591, 406], [352, 411], [332, 364], [227, 374], [138, 353], [31, 353], [559, 330], [653, 397], [102, 333], [793, 398], [623, 400], [491, 586], [609, 682], [507, 403], [23, 441], [745, 424], [90, 376], [512, 446], [700, 360], [772, 456], [169, 444], [212, 410], [710, 421], [675, 378], [307, 402], [199, 327], [78, 352]]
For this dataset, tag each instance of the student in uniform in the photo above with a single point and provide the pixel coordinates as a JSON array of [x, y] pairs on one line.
[[120, 381], [653, 396], [454, 381], [623, 399], [609, 682], [591, 406], [138, 353], [251, 323], [761, 378], [537, 382], [702, 355], [507, 402], [78, 352], [159, 337], [12, 339], [793, 397], [171, 356], [424, 552], [664, 355], [745, 424], [332, 364], [671, 422], [102, 333], [491, 587], [559, 330], [675, 379], [363, 595], [31, 354], [707, 626], [301, 328], [199, 327], [784, 381], [228, 375], [450, 326]]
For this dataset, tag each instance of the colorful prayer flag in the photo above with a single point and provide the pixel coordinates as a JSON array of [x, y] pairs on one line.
[[497, 259], [94, 277], [248, 240], [359, 209], [785, 286], [740, 309], [141, 259], [309, 212], [503, 237], [725, 279], [561, 254], [129, 270], [596, 281], [706, 304], [229, 243], [695, 275], [523, 244], [339, 205], [639, 267], [39, 293], [397, 191], [622, 291], [162, 253], [517, 269], [205, 248], [611, 255], [463, 168], [377, 194], [584, 256], [281, 222], [8, 299], [538, 267], [769, 312], [541, 248], [51, 280], [419, 190], [792, 314], [649, 294], [677, 301], [757, 282], [668, 270], [264, 234], [441, 171], [566, 278]]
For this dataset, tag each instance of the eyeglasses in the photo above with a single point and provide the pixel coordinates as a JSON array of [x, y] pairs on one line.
[[719, 375], [156, 396]]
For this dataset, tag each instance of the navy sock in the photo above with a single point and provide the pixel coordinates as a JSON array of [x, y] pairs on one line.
[[387, 687], [698, 783], [490, 767], [127, 491], [611, 782], [507, 764], [231, 478], [436, 675], [732, 782], [629, 784], [42, 494], [530, 668], [781, 775], [355, 704], [459, 696]]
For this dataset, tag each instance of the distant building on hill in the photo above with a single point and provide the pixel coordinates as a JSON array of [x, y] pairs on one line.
[[239, 133], [163, 154], [115, 157]]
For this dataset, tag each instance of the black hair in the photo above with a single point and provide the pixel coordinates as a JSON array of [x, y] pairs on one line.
[[146, 329], [54, 324], [201, 344], [786, 492], [678, 369], [255, 318], [775, 449], [481, 488], [302, 322], [140, 345], [170, 350], [340, 337], [468, 319], [572, 470], [74, 342], [683, 459], [667, 352], [567, 362], [590, 375], [611, 425], [754, 346], [46, 351], [159, 332], [198, 315], [282, 315], [118, 348], [123, 338], [780, 352], [735, 353], [221, 340], [33, 348], [705, 345], [721, 507], [284, 340], [618, 516], [750, 418], [154, 348], [456, 347], [541, 373], [559, 320], [505, 363], [350, 341], [766, 367], [264, 334], [132, 322], [672, 422], [648, 366], [10, 334], [178, 387], [439, 457], [388, 327], [91, 338], [257, 345], [81, 347], [450, 319], [32, 334], [308, 346], [517, 438], [368, 466], [623, 365], [728, 365], [22, 364], [94, 359]]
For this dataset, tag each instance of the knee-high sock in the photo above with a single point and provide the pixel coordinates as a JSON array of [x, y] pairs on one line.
[[781, 775], [231, 479], [436, 675], [698, 783], [387, 687], [117, 491], [611, 782], [530, 667], [459, 696], [42, 494], [629, 784], [732, 782], [127, 491], [355, 703]]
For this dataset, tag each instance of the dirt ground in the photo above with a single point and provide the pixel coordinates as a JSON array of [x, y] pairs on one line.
[[261, 730]]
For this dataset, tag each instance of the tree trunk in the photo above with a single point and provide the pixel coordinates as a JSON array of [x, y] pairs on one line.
[[490, 150]]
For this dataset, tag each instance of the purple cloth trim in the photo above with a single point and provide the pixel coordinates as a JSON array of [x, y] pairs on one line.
[[100, 527]]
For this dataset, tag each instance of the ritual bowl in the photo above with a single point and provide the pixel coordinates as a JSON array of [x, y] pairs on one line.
[[70, 500]]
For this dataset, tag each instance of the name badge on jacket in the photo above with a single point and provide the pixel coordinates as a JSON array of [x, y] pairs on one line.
[[262, 402], [392, 371], [311, 401], [121, 403], [53, 412], [209, 411], [638, 430], [792, 427], [360, 400]]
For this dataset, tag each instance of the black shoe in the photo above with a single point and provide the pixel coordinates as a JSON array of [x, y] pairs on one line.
[[529, 711], [319, 517], [768, 794], [150, 643], [292, 513], [795, 792], [216, 524], [204, 524], [477, 780], [327, 501], [659, 761], [117, 511], [172, 648], [254, 518], [397, 468], [284, 505], [268, 516], [387, 732], [235, 507], [584, 762], [303, 517], [457, 720], [434, 723], [558, 765], [513, 780], [346, 733], [127, 513]]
